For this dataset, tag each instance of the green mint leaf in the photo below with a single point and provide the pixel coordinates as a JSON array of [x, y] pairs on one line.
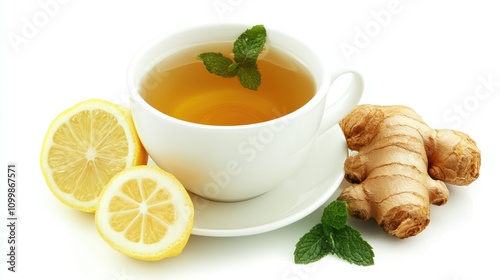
[[312, 246], [350, 246], [246, 51], [336, 237], [218, 64], [335, 214], [247, 47], [249, 76]]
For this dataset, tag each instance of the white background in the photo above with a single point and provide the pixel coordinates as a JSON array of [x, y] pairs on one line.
[[430, 55]]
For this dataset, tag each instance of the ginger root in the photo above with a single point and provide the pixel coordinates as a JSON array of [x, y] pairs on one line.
[[401, 167]]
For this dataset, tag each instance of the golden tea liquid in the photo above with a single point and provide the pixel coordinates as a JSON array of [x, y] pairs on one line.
[[181, 87]]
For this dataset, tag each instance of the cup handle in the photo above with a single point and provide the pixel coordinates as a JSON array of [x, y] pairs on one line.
[[337, 109]]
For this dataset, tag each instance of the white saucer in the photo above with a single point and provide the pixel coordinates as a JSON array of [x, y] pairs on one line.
[[294, 199]]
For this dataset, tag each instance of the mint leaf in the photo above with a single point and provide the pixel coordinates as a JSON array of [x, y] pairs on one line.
[[247, 47], [312, 246], [246, 51], [350, 246], [217, 63], [335, 214], [336, 237], [249, 77]]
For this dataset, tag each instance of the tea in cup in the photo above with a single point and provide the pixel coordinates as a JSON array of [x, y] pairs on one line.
[[222, 141]]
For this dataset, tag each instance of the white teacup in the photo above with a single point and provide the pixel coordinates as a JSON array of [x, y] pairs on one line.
[[234, 163]]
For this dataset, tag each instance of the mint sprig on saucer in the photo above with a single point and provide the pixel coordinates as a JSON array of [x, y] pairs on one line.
[[246, 50], [334, 236]]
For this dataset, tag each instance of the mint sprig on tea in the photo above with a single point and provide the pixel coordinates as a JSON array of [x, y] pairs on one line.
[[333, 236], [246, 50]]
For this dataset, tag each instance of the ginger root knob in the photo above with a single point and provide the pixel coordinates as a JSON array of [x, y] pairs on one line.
[[401, 166]]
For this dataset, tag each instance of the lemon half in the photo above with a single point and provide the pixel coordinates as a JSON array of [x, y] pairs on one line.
[[145, 213], [84, 147]]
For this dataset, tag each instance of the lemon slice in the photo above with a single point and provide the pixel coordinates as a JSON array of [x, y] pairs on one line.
[[145, 213], [84, 147]]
